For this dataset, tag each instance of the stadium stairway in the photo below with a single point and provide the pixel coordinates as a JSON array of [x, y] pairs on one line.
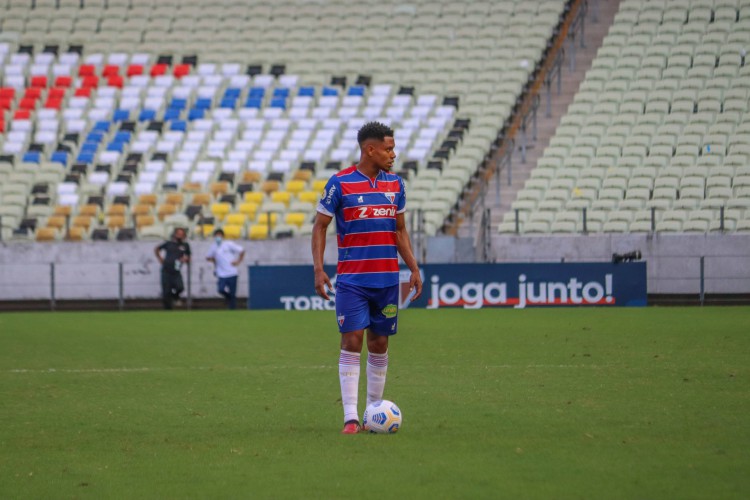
[[598, 19]]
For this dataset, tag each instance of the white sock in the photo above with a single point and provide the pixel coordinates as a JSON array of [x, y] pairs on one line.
[[377, 367], [349, 379]]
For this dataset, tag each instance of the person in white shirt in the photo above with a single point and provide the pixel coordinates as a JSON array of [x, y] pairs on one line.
[[226, 256]]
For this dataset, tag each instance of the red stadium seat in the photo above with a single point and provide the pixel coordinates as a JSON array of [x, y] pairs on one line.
[[83, 92], [53, 103], [181, 70], [2, 126], [134, 69], [7, 92], [87, 70], [115, 81], [39, 81], [27, 103], [56, 93], [22, 114], [111, 70], [91, 81], [32, 93], [5, 103], [63, 81], [158, 69]]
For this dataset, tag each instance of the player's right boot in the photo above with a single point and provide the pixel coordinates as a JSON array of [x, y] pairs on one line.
[[351, 427]]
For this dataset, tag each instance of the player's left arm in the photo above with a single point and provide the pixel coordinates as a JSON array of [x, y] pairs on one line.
[[403, 245]]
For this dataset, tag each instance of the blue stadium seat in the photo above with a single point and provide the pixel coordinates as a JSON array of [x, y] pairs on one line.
[[254, 102], [307, 91], [102, 126], [328, 91], [172, 114], [257, 92], [196, 114], [89, 147], [120, 115], [203, 103], [178, 103], [59, 157], [228, 102], [95, 137], [232, 92], [356, 90], [178, 125], [146, 115], [84, 157], [32, 157], [278, 102], [281, 92]]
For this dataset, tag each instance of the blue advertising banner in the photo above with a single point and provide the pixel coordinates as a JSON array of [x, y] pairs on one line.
[[470, 286], [286, 287], [473, 286]]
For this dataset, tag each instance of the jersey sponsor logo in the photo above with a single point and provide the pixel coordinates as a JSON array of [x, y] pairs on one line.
[[329, 197], [390, 311], [370, 212]]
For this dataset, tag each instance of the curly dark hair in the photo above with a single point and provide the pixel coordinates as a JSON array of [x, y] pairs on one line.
[[373, 130]]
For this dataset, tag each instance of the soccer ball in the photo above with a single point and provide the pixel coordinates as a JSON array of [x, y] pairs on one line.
[[382, 417]]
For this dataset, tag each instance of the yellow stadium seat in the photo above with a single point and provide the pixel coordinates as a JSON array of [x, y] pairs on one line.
[[63, 210], [56, 221], [258, 232], [296, 186], [144, 220], [201, 199], [233, 231], [46, 234], [255, 196], [236, 219], [83, 221], [117, 209], [91, 209], [77, 234], [219, 188], [249, 208], [205, 230], [115, 221], [319, 185], [270, 186], [176, 199], [251, 176], [309, 196], [148, 199], [221, 209], [142, 209], [267, 217], [303, 175], [281, 196], [165, 209], [295, 218]]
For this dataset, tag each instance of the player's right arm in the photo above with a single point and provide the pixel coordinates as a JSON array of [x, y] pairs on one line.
[[157, 252], [320, 227]]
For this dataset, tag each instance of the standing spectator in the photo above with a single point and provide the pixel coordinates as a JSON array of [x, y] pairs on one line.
[[226, 256], [176, 253]]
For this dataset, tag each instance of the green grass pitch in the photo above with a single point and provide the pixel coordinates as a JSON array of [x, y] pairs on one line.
[[601, 403]]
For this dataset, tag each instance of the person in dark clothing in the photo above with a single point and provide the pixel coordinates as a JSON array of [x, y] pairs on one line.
[[176, 252]]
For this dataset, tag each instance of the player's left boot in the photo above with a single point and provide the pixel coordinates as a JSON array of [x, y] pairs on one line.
[[351, 427]]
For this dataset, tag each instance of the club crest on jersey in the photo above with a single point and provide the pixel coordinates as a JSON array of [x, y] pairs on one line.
[[341, 319], [390, 196]]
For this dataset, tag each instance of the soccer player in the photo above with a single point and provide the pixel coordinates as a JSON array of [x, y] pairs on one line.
[[368, 202]]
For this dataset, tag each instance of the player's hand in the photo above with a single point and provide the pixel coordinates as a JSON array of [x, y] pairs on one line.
[[415, 284], [322, 284]]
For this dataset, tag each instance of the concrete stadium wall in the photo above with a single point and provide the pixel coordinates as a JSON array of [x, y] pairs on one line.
[[90, 271]]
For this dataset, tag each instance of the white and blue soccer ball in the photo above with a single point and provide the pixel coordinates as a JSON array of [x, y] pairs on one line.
[[382, 417]]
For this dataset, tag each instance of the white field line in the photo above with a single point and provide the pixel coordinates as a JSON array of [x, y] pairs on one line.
[[146, 369]]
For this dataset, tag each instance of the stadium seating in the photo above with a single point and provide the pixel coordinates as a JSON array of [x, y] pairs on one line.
[[658, 135], [231, 113]]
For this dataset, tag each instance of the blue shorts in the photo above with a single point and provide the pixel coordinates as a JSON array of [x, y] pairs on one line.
[[360, 307]]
